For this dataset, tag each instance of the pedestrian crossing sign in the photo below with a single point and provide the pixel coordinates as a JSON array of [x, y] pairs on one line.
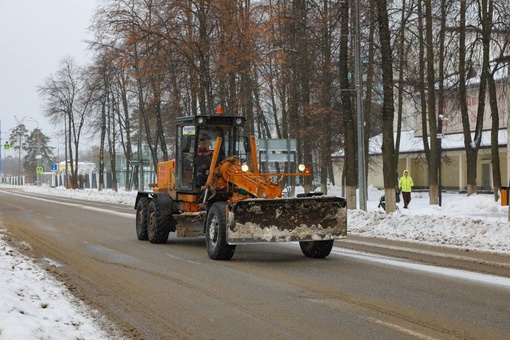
[[7, 145], [39, 170]]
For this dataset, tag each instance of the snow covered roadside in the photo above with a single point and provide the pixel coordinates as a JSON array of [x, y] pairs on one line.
[[34, 305], [476, 222]]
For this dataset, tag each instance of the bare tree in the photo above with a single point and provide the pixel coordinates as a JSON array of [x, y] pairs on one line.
[[66, 98], [472, 144]]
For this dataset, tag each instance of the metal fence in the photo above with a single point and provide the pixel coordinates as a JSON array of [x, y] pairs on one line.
[[87, 180]]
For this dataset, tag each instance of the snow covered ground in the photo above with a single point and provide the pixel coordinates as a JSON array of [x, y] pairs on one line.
[[476, 222], [35, 306]]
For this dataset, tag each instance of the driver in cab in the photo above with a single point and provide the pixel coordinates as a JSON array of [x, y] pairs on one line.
[[202, 163]]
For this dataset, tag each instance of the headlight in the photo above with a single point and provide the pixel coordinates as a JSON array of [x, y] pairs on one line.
[[239, 121], [245, 168], [200, 120], [301, 167]]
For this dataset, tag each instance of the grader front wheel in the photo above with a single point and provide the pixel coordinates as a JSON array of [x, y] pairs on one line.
[[316, 249], [216, 233]]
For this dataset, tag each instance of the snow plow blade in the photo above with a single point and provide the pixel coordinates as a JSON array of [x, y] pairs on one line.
[[316, 218]]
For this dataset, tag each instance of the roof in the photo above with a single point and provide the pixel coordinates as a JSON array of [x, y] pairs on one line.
[[409, 143]]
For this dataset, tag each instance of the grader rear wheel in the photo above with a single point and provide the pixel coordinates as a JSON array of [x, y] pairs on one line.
[[158, 225], [141, 219]]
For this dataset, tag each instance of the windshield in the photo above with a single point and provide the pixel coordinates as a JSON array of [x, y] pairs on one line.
[[191, 140]]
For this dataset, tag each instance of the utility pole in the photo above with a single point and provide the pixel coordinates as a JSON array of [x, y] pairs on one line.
[[19, 159], [440, 142], [361, 121], [1, 147]]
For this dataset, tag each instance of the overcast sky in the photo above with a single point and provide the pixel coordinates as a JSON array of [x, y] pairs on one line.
[[35, 35]]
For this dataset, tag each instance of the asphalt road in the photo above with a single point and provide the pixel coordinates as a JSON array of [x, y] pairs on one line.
[[266, 291]]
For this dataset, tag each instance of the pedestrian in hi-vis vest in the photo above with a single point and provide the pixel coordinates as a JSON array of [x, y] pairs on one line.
[[405, 184]]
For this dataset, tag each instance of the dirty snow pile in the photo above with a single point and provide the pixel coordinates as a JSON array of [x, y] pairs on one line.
[[476, 222]]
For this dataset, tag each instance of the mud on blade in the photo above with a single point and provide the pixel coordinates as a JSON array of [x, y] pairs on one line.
[[287, 219]]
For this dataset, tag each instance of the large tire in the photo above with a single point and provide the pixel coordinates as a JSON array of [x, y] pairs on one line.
[[216, 233], [158, 225], [316, 249], [141, 218]]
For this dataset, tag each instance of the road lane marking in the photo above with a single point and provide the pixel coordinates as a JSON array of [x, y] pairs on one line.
[[75, 205], [181, 258], [77, 226], [400, 329]]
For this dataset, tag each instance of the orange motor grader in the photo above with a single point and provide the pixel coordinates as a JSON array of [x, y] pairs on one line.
[[235, 203]]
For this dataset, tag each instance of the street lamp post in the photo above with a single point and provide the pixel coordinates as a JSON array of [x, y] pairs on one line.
[[38, 156], [65, 151], [19, 161]]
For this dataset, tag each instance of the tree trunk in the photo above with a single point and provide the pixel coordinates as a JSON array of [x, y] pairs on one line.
[[495, 160], [369, 113], [496, 172], [421, 82], [125, 129], [388, 108], [432, 161], [102, 145], [160, 131], [400, 94], [325, 99]]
